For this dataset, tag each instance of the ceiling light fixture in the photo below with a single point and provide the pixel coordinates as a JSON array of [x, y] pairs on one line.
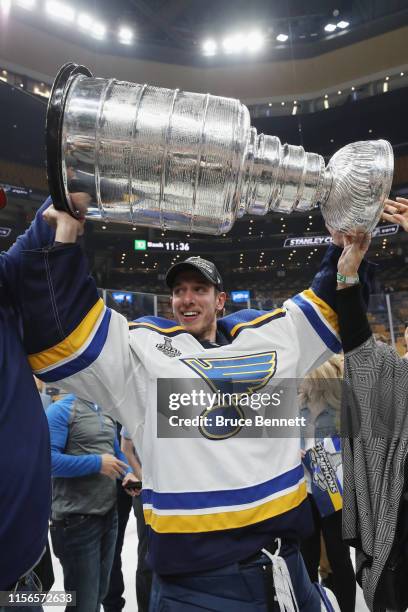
[[85, 21], [209, 47], [98, 31], [255, 41], [234, 43], [125, 36], [58, 10]]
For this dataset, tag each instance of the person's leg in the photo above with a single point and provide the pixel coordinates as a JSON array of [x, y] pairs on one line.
[[27, 585], [228, 589], [77, 546], [310, 547], [338, 553], [108, 545], [143, 572], [247, 587], [307, 596], [114, 600]]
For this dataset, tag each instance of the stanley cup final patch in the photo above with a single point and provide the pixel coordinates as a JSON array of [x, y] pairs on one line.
[[167, 349]]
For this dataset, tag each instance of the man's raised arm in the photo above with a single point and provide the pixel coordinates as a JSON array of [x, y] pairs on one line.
[[38, 235], [70, 335], [314, 311]]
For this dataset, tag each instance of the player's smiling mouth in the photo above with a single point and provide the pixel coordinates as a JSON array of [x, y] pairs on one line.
[[190, 315]]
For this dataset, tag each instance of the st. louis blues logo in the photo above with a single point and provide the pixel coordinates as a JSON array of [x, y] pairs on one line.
[[234, 376]]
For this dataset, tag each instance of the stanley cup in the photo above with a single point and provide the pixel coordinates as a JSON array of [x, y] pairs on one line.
[[171, 159]]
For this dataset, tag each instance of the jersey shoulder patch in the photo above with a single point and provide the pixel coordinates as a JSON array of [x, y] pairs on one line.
[[236, 322]]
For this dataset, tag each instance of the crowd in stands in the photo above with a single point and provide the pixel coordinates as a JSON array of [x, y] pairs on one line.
[[275, 292]]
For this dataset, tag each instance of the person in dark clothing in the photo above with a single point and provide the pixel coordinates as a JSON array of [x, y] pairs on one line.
[[143, 572], [114, 600], [24, 439], [375, 449]]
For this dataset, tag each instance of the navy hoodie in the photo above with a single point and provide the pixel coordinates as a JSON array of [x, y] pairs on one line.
[[25, 484]]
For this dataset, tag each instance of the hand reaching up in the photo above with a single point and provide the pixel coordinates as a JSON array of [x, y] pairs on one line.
[[396, 211]]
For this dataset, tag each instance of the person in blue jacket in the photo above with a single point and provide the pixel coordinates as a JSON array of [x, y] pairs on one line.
[[86, 461], [25, 484]]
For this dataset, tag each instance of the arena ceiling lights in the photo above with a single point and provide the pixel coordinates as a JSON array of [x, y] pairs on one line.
[[236, 43], [59, 11], [125, 36], [331, 27], [64, 13], [88, 23]]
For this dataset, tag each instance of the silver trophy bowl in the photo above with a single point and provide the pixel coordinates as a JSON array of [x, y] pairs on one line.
[[191, 162]]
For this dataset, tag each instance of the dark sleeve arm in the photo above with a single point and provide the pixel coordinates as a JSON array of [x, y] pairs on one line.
[[325, 282], [72, 338], [37, 236], [354, 327]]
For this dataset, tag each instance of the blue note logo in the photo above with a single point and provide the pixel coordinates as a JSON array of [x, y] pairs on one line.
[[233, 377]]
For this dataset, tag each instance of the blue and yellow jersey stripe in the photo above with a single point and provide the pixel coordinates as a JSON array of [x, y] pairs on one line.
[[321, 317], [159, 325], [237, 322], [78, 350], [199, 512]]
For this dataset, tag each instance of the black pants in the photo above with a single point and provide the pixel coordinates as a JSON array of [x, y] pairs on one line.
[[143, 573], [338, 553], [114, 601]]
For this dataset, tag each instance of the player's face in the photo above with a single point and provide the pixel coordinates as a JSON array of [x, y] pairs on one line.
[[195, 304]]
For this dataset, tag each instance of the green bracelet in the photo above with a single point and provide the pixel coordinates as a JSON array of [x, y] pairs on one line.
[[347, 280]]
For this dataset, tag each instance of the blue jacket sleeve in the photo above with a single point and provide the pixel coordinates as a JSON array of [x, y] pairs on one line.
[[121, 456], [324, 284], [38, 235], [63, 465]]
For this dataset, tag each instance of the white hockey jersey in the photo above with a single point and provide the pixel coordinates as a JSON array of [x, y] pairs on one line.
[[208, 502]]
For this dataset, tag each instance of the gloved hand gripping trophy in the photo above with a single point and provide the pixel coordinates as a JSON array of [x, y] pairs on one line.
[[170, 159]]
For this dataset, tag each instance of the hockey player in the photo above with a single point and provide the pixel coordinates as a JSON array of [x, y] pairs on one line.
[[222, 512]]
